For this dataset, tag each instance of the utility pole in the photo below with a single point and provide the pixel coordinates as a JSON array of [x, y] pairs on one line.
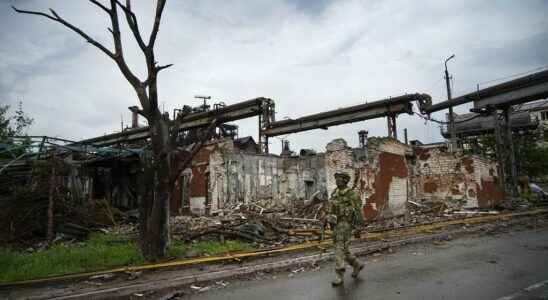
[[452, 139], [204, 98]]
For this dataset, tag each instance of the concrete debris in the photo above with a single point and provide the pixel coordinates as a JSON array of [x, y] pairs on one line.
[[103, 277], [134, 275], [95, 283], [513, 203], [200, 289], [222, 283], [491, 212]]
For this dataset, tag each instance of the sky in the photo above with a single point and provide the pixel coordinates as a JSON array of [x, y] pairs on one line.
[[309, 56]]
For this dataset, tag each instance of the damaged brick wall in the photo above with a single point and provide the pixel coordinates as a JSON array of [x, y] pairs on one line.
[[382, 173], [192, 193], [267, 180], [379, 174], [490, 192], [469, 181]]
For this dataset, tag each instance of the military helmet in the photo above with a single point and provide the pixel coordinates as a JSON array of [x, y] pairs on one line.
[[343, 175]]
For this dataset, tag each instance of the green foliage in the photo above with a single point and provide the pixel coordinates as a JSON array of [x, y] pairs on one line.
[[208, 247], [531, 149], [14, 125], [10, 126], [99, 252], [532, 157]]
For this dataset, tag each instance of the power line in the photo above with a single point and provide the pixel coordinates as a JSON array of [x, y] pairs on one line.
[[474, 89], [513, 75], [430, 119]]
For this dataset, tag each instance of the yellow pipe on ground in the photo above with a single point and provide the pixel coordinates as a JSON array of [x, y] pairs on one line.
[[303, 246]]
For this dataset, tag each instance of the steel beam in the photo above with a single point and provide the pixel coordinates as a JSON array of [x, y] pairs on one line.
[[377, 109], [524, 89], [238, 111], [518, 96]]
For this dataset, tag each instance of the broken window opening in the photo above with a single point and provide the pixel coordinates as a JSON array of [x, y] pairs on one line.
[[309, 188], [544, 115]]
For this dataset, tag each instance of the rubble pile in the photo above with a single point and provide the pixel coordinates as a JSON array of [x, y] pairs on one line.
[[513, 203], [29, 208], [25, 210], [265, 229]]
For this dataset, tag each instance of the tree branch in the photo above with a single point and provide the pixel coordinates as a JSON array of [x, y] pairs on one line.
[[108, 11], [55, 17], [159, 9], [117, 55], [133, 25], [159, 68], [119, 51], [33, 13], [194, 150], [116, 31]]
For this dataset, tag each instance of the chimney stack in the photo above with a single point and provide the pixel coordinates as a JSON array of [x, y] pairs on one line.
[[363, 138], [286, 151], [134, 116]]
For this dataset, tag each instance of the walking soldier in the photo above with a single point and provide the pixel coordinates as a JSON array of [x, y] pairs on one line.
[[344, 214]]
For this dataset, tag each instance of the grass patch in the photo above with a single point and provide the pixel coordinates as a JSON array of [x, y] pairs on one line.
[[99, 252], [208, 247]]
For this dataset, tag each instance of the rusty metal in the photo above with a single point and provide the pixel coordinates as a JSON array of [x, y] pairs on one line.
[[377, 109], [229, 113]]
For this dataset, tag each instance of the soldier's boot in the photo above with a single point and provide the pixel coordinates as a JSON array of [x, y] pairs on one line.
[[339, 277], [357, 267]]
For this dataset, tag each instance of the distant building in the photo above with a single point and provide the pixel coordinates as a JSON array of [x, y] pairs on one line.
[[538, 111], [526, 116]]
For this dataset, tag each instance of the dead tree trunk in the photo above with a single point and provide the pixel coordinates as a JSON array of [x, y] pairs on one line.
[[51, 202], [159, 172], [155, 203]]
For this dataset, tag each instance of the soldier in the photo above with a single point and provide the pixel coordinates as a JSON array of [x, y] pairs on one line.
[[344, 214]]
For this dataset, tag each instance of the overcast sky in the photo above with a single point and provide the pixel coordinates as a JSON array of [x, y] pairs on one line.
[[309, 56]]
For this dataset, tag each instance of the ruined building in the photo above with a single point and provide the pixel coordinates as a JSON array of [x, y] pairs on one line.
[[229, 171], [385, 172]]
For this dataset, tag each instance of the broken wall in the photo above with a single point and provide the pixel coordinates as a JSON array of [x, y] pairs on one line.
[[238, 177], [192, 193], [223, 176], [385, 173], [469, 181], [379, 173]]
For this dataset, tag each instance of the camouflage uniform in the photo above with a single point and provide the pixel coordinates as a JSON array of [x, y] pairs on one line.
[[345, 212]]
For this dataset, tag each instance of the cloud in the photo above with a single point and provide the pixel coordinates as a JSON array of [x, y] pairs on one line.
[[309, 56]]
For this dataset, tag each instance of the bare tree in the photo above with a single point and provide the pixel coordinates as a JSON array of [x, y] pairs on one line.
[[161, 170]]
